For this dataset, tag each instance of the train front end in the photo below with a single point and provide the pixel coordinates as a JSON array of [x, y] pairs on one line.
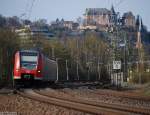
[[27, 66]]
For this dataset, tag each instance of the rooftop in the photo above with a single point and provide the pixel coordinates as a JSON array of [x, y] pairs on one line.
[[97, 11]]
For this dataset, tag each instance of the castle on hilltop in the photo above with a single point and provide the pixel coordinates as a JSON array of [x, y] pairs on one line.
[[104, 18]]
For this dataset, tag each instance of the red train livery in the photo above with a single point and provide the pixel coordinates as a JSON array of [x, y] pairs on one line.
[[33, 65]]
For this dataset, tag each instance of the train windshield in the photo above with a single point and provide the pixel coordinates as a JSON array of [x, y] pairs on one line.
[[29, 60]]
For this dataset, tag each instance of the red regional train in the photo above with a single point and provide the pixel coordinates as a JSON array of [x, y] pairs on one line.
[[31, 65]]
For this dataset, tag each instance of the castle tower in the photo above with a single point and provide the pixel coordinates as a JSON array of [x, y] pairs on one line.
[[113, 16], [137, 23], [112, 10]]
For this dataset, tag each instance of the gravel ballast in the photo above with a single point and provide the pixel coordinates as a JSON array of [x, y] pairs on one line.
[[22, 106]]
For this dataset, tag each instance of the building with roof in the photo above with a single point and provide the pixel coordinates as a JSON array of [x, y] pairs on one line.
[[33, 31], [128, 20], [62, 24], [42, 31], [100, 17]]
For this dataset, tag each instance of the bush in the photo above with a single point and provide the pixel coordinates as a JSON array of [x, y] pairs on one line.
[[145, 77]]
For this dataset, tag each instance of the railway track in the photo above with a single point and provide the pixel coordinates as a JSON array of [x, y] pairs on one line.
[[120, 94], [83, 105], [123, 95]]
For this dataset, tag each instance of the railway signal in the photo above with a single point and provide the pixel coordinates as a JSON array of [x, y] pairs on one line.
[[116, 65]]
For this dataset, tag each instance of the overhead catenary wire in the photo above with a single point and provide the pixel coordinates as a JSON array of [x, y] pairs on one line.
[[117, 4], [26, 8], [30, 10]]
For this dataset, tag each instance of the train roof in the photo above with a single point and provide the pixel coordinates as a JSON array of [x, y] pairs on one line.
[[29, 51], [35, 51]]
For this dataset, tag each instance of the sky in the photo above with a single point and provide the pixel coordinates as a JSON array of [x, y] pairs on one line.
[[71, 9]]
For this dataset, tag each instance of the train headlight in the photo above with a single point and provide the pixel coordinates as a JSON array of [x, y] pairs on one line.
[[39, 71], [17, 70]]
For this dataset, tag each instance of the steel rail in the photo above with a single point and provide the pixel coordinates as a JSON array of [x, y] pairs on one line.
[[80, 106], [123, 108], [124, 95]]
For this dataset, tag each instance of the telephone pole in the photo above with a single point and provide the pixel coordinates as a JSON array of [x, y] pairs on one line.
[[67, 70]]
